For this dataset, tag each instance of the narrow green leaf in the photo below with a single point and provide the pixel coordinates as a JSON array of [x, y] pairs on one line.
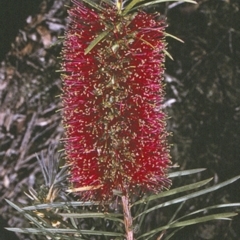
[[59, 41], [174, 191], [219, 216], [46, 234], [60, 205], [90, 215], [185, 172], [198, 211], [172, 233], [174, 37], [43, 168], [162, 1], [61, 230], [28, 216], [94, 5], [176, 212], [110, 216], [109, 2], [209, 208], [201, 210], [172, 218], [99, 38], [61, 175], [192, 195], [130, 6], [142, 208], [168, 54], [73, 222]]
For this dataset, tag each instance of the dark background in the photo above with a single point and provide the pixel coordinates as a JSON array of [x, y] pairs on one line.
[[13, 14], [202, 82]]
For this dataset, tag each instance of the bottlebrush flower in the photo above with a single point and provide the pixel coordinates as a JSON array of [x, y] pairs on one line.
[[112, 95]]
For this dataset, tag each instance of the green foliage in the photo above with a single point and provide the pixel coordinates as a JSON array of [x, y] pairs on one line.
[[98, 39], [139, 4], [126, 10], [68, 220]]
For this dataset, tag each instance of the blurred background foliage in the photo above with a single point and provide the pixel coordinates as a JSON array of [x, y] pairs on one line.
[[202, 99], [205, 117], [203, 92]]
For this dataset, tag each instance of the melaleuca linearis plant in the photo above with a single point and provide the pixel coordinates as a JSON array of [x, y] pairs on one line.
[[112, 94], [115, 130]]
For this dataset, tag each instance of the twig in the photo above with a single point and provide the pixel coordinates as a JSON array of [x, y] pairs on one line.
[[127, 218]]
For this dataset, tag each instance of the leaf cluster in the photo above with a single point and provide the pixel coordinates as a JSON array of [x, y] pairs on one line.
[[83, 220]]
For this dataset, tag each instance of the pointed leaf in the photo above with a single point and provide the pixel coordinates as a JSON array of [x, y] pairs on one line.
[[185, 172], [168, 54], [173, 233], [94, 5], [53, 237], [162, 1], [99, 38], [175, 213], [174, 37], [192, 195], [43, 168], [174, 191], [209, 208], [46, 234], [60, 205], [219, 216], [198, 211], [110, 216], [62, 230], [130, 6], [29, 217], [109, 2]]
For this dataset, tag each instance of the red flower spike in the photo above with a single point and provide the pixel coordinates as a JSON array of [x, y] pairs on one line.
[[115, 127]]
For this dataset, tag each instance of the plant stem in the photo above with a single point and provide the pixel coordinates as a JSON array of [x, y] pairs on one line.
[[127, 218]]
